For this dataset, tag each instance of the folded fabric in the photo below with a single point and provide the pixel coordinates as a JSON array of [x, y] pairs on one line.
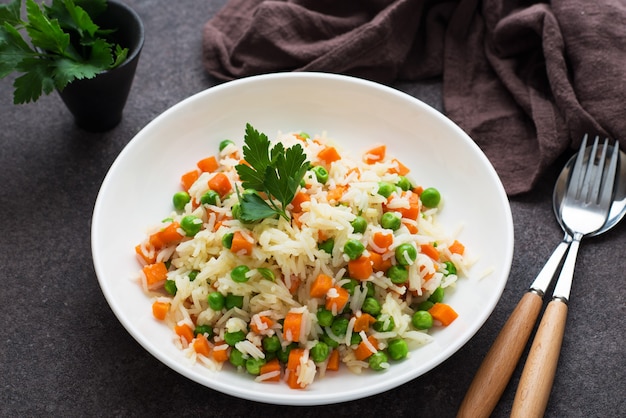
[[525, 79]]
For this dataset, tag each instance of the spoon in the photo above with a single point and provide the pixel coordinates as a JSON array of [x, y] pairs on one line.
[[500, 362]]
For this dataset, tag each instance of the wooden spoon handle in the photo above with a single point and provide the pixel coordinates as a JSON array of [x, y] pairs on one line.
[[499, 363], [535, 384]]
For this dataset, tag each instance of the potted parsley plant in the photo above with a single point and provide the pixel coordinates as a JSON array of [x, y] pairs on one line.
[[87, 50]]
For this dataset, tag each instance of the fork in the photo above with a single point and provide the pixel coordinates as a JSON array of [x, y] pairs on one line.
[[585, 209]]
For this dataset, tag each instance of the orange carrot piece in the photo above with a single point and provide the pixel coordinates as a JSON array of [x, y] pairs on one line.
[[399, 168], [378, 263], [443, 313], [292, 380], [430, 250], [363, 322], [382, 240], [146, 258], [376, 154], [298, 200], [333, 361], [361, 268], [293, 361], [411, 227], [184, 331], [336, 193], [220, 183], [362, 351], [338, 301], [412, 212], [457, 248], [208, 165], [320, 286], [329, 155], [263, 319], [220, 355], [166, 236], [240, 244], [201, 345], [155, 274], [160, 309], [292, 326], [271, 366], [188, 179]]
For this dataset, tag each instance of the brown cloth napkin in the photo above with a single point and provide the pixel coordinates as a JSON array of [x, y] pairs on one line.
[[525, 79]]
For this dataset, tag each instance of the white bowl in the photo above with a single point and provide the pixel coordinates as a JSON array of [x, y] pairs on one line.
[[356, 113]]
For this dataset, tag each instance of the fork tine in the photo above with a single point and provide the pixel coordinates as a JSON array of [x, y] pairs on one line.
[[584, 192], [606, 192], [577, 174], [596, 176]]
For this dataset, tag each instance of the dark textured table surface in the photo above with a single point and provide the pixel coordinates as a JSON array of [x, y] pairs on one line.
[[64, 353]]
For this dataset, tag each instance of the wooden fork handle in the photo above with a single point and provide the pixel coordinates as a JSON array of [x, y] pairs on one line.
[[499, 363], [535, 384]]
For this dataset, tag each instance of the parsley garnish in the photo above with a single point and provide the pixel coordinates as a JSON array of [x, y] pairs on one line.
[[277, 172], [65, 45]]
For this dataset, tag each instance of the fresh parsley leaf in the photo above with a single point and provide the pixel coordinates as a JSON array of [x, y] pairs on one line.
[[10, 13], [277, 172], [45, 34], [29, 86]]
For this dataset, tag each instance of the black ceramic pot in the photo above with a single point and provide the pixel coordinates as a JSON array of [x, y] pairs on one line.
[[97, 103]]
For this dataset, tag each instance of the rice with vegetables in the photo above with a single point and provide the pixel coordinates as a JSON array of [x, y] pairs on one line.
[[290, 259]]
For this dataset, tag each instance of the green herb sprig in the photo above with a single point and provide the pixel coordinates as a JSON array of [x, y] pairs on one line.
[[65, 45], [277, 172]]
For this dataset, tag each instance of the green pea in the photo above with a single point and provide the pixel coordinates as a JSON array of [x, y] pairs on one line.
[[355, 338], [236, 210], [210, 198], [398, 274], [204, 330], [180, 199], [339, 326], [422, 320], [384, 323], [192, 275], [327, 246], [390, 220], [430, 197], [232, 338], [331, 343], [450, 267], [350, 286], [321, 174], [216, 301], [397, 349], [266, 273], [386, 189], [359, 225], [191, 225], [324, 317], [253, 365], [424, 306], [170, 287], [404, 251], [370, 289], [378, 360], [353, 248], [319, 352], [225, 143], [227, 240], [271, 344], [404, 183], [238, 274], [236, 358], [233, 301], [371, 306], [437, 295]]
